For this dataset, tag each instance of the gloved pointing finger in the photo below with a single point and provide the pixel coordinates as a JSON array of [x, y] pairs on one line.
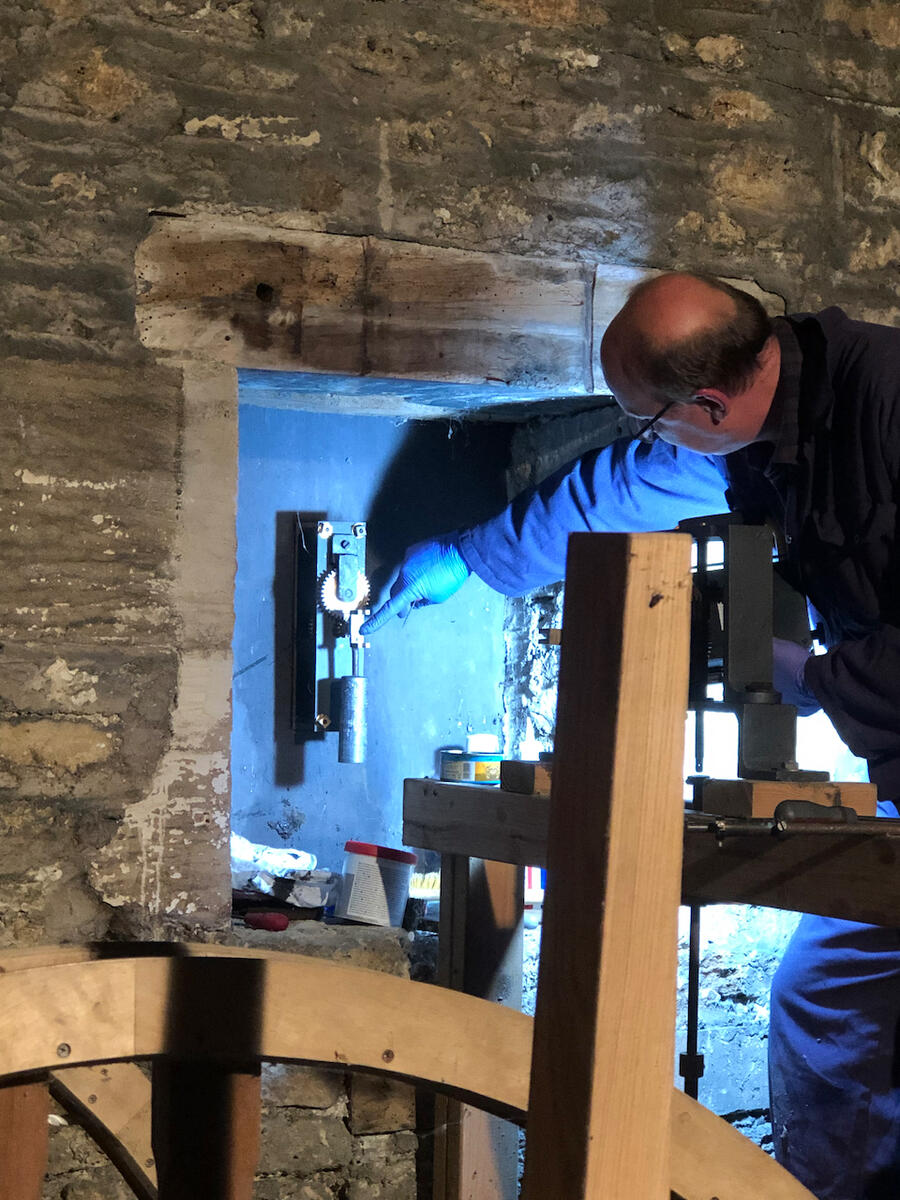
[[430, 573], [396, 606]]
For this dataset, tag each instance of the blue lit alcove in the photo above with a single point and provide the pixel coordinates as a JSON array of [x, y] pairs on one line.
[[432, 680]]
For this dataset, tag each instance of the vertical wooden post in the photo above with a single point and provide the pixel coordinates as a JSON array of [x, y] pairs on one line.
[[451, 964], [24, 1109], [601, 1079], [206, 1132], [480, 949], [206, 1106]]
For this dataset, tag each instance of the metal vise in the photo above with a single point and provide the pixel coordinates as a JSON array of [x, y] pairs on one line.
[[736, 596]]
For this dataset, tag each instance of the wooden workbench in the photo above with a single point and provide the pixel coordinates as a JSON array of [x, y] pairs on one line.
[[854, 876], [487, 836]]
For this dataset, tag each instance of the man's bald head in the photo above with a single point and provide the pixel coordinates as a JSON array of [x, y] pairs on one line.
[[683, 332], [686, 339]]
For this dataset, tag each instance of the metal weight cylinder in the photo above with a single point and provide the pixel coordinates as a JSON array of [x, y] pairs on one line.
[[352, 740]]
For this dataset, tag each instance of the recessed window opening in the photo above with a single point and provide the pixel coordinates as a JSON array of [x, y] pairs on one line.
[[431, 680]]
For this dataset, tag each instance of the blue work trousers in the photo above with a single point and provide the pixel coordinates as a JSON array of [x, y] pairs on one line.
[[834, 1058]]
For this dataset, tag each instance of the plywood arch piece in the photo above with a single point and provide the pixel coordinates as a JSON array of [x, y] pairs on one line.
[[201, 1002], [710, 1159], [67, 1006]]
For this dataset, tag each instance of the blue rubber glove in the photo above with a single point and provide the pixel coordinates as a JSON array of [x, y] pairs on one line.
[[429, 574], [788, 676]]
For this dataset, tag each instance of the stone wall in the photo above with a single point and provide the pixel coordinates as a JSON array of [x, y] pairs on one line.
[[326, 1136], [758, 140]]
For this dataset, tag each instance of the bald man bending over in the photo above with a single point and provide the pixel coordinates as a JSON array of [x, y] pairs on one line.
[[796, 421]]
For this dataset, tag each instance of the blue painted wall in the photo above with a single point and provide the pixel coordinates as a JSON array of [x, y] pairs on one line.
[[431, 680]]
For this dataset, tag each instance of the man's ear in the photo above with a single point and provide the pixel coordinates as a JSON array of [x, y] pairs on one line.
[[713, 403]]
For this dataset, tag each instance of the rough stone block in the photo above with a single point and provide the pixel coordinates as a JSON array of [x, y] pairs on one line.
[[369, 946], [70, 1149], [384, 1168], [301, 1143], [43, 896], [380, 1105], [53, 745], [326, 1186], [289, 1086], [103, 1183]]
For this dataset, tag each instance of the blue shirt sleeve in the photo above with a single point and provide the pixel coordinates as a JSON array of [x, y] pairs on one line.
[[628, 487]]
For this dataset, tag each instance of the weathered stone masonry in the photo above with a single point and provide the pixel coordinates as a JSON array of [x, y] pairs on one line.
[[759, 140]]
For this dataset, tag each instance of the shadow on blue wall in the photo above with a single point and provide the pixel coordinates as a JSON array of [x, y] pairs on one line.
[[431, 680]]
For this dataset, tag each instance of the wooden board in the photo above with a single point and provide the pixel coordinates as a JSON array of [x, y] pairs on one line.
[[185, 1004], [479, 952], [526, 778], [851, 877], [300, 301], [604, 1029], [317, 1011], [86, 1014], [206, 1130], [292, 1007], [760, 797], [24, 1109], [711, 1160], [484, 822], [112, 1102], [856, 878]]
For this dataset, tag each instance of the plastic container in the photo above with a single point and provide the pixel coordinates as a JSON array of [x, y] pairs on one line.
[[375, 886]]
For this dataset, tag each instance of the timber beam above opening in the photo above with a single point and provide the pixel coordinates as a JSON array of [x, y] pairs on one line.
[[506, 328], [311, 316]]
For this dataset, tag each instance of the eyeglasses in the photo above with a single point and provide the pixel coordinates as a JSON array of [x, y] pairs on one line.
[[641, 435]]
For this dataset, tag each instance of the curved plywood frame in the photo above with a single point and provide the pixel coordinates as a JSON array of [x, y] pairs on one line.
[[710, 1160], [91, 1009], [206, 1001]]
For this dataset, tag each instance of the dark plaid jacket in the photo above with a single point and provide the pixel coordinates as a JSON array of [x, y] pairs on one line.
[[832, 483]]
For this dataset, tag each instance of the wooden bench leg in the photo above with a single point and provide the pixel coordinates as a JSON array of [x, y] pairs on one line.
[[24, 1109], [205, 1130], [480, 952]]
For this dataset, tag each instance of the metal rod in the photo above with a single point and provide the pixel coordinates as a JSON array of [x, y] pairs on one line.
[[763, 826], [692, 1062]]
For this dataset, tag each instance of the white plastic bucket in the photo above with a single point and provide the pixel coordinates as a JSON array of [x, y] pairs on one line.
[[375, 885]]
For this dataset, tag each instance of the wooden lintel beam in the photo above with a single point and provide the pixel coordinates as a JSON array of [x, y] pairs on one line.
[[289, 300], [370, 324]]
